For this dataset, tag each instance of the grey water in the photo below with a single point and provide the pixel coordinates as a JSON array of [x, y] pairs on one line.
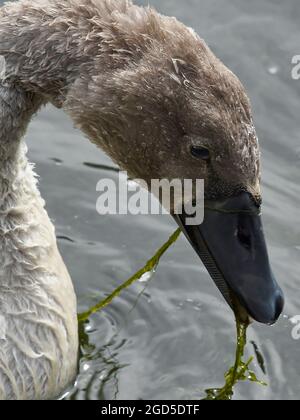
[[178, 338]]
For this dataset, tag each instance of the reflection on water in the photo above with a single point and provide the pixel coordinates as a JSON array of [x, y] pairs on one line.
[[180, 337], [101, 167], [98, 370], [259, 358]]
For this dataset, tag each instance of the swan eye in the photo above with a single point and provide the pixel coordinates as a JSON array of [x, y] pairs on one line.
[[200, 152]]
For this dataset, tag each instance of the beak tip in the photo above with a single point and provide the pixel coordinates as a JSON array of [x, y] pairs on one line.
[[269, 314], [279, 305]]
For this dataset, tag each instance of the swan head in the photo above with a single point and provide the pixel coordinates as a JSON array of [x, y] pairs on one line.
[[169, 109]]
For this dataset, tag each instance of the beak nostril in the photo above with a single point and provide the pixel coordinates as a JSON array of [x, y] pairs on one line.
[[244, 238]]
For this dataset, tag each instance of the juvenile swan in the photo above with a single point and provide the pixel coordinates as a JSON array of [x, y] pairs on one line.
[[150, 93]]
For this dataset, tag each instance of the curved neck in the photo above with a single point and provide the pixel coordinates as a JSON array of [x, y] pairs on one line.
[[16, 109]]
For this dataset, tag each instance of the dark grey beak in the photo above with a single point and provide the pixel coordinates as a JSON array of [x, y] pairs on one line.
[[232, 246]]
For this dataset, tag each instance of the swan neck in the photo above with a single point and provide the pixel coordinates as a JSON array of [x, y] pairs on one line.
[[16, 110]]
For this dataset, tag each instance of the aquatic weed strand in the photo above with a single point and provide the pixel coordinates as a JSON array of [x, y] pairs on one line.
[[239, 372], [150, 266]]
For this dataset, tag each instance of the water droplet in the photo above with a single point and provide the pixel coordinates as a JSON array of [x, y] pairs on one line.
[[146, 277], [294, 320], [273, 70]]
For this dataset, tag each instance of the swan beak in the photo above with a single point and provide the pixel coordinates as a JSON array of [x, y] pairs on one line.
[[232, 246]]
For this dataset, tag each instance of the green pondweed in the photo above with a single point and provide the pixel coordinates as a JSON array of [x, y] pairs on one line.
[[148, 268], [237, 373], [241, 369]]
